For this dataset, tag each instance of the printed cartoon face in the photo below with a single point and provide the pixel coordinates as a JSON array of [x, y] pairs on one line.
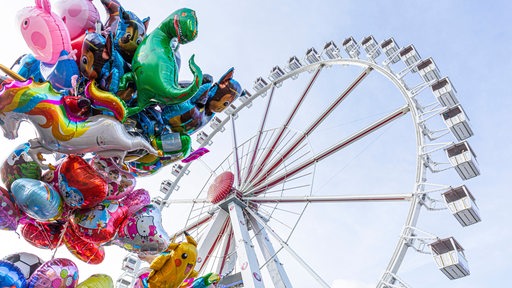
[[131, 31], [185, 257], [226, 92], [93, 56], [146, 226]]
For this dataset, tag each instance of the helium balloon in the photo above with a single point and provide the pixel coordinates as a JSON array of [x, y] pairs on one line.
[[86, 251], [174, 265], [37, 199], [97, 281], [196, 154], [136, 200], [19, 165], [43, 235], [27, 262], [11, 276], [78, 15], [56, 273], [100, 223], [79, 184], [120, 182], [142, 232], [9, 215], [45, 32], [205, 281]]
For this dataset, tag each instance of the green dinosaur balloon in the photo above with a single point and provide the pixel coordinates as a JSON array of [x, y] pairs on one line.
[[154, 68]]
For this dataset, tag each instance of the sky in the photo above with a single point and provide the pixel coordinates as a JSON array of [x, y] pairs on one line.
[[470, 43]]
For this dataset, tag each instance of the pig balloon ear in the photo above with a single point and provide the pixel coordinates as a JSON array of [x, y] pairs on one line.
[[45, 4]]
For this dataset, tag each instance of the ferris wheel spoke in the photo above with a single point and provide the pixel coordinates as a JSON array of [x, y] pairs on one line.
[[286, 123], [264, 184], [262, 174], [236, 158], [195, 224], [285, 246], [332, 198], [228, 250], [260, 132], [214, 233]]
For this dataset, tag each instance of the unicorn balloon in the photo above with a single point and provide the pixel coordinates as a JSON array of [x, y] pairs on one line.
[[42, 106]]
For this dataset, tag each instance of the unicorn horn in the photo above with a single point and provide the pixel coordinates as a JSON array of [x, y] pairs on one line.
[[12, 74]]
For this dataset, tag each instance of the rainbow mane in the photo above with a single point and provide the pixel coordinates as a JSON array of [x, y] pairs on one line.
[[40, 99]]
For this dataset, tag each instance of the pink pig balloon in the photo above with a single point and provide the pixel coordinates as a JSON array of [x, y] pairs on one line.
[[44, 32], [78, 15]]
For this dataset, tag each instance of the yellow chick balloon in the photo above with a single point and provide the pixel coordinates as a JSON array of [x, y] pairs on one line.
[[174, 265]]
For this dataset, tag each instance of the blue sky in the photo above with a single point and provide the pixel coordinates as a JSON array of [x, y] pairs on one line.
[[470, 42]]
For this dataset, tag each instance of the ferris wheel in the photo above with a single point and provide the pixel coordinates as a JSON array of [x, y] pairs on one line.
[[328, 155]]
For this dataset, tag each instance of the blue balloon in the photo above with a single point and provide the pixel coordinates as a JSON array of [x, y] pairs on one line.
[[37, 199], [10, 275]]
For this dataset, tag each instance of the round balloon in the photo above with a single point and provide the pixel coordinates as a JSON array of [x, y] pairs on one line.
[[11, 276], [79, 184], [43, 235], [27, 262], [97, 281], [37, 199], [143, 232], [19, 165], [84, 250], [56, 273], [100, 223], [9, 216]]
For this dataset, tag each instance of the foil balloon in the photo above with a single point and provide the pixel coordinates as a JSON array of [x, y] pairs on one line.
[[78, 16], [86, 251], [44, 31], [11, 276], [174, 265], [120, 182], [56, 273], [97, 281], [100, 223], [205, 281], [136, 200], [27, 262], [37, 199], [155, 71], [43, 235], [9, 215], [19, 165], [142, 232], [196, 154], [79, 184]]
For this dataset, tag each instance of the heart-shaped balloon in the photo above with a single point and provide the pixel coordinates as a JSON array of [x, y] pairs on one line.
[[43, 235], [56, 273], [9, 214], [136, 200], [100, 223], [19, 165], [143, 232], [120, 182], [37, 199], [79, 184], [97, 281], [84, 250]]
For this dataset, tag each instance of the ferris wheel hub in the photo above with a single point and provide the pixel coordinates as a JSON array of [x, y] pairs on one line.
[[221, 187]]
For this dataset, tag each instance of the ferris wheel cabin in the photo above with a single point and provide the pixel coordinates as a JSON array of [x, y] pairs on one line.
[[457, 121], [411, 57], [463, 159], [428, 70], [445, 93], [390, 48], [450, 258], [371, 47], [462, 205], [351, 47]]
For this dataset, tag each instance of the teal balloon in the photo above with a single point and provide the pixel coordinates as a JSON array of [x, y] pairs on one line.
[[37, 199]]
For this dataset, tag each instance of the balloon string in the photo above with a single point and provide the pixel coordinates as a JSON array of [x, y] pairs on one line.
[[45, 234], [60, 239]]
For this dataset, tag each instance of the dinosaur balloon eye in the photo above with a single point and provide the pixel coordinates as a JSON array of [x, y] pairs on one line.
[[184, 256]]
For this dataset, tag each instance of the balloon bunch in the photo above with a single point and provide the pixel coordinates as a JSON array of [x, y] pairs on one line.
[[110, 88], [83, 205], [26, 270]]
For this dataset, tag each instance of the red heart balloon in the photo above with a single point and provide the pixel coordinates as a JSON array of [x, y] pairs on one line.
[[79, 184], [86, 251], [100, 223], [43, 235]]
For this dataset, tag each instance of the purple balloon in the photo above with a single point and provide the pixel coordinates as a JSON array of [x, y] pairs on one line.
[[143, 232], [9, 217], [56, 273]]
